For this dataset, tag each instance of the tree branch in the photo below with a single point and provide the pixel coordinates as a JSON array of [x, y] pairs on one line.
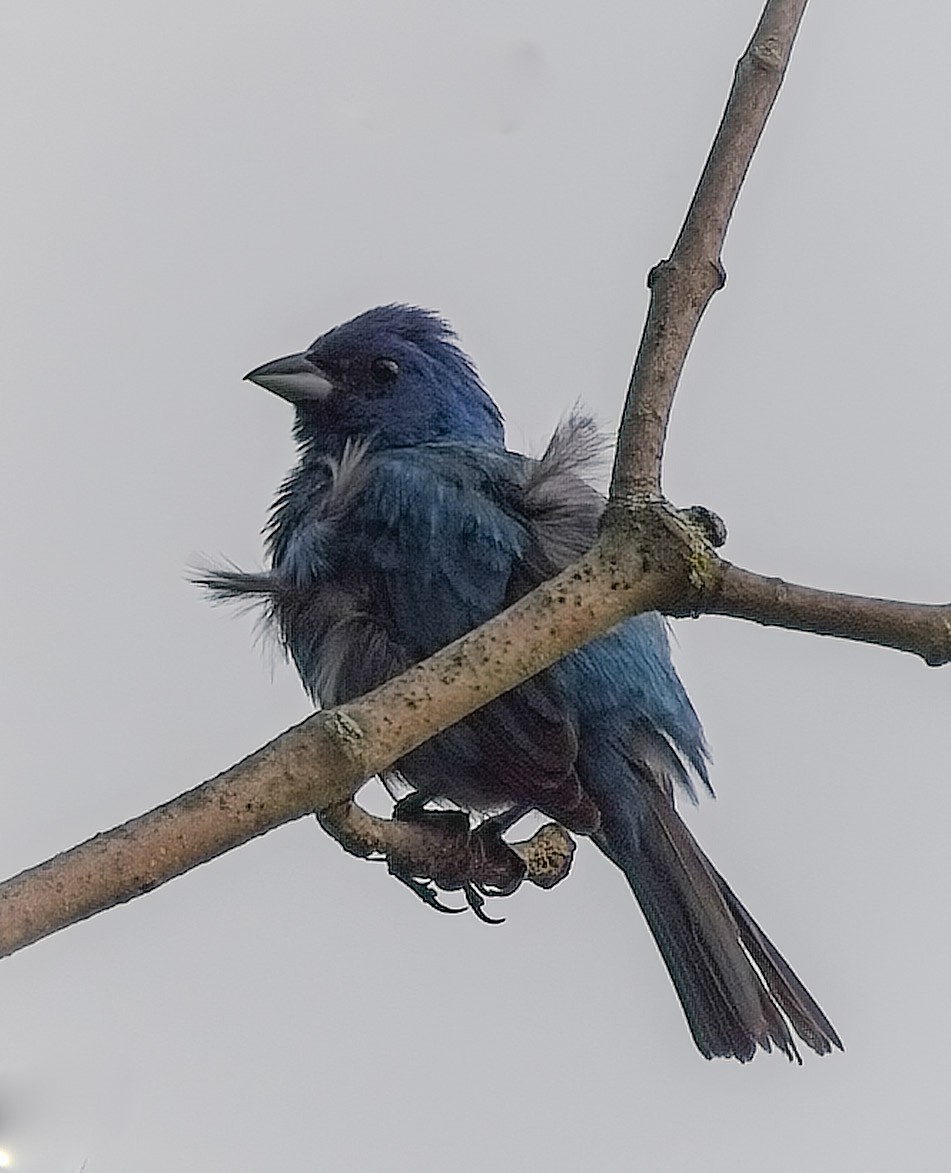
[[922, 628], [682, 286], [318, 765], [451, 854]]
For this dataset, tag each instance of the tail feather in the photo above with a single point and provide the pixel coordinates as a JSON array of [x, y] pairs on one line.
[[796, 1002], [737, 991]]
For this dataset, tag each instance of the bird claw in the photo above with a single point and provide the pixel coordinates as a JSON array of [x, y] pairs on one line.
[[425, 890], [488, 838], [429, 894], [476, 901]]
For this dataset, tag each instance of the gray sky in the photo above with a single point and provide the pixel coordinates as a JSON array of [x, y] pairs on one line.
[[192, 189]]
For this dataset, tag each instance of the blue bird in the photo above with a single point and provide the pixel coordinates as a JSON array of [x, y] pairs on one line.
[[407, 523]]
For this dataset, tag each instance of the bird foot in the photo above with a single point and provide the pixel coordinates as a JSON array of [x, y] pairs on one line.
[[482, 850]]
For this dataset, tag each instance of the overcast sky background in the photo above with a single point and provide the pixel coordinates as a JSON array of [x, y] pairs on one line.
[[190, 189]]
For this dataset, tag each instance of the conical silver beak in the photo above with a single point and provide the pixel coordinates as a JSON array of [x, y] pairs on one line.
[[294, 377]]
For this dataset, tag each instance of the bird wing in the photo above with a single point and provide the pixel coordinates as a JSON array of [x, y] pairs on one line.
[[451, 535]]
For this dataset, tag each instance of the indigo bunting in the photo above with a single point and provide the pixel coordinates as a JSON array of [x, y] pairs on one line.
[[407, 523]]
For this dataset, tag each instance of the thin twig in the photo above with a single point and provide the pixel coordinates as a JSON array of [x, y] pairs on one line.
[[682, 286], [921, 628]]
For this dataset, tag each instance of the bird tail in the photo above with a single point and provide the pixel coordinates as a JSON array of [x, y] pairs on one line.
[[737, 990]]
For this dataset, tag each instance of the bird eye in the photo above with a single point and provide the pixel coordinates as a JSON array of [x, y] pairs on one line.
[[384, 370]]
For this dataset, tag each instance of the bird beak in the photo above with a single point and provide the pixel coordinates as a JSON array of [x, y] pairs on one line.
[[294, 377]]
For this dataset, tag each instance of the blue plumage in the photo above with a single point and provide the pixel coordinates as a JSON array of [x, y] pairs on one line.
[[406, 524]]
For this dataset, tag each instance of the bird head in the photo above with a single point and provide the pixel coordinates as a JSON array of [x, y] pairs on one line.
[[394, 376]]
